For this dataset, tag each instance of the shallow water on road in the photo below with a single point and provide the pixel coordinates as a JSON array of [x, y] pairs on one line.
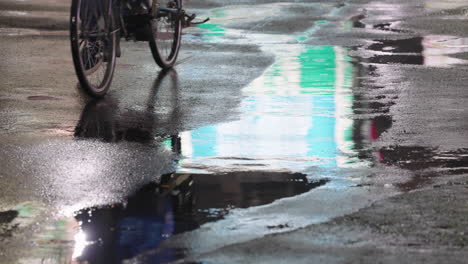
[[311, 121], [296, 115]]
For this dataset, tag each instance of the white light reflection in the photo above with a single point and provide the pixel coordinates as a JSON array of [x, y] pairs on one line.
[[300, 107], [343, 112], [80, 244], [437, 49], [17, 13]]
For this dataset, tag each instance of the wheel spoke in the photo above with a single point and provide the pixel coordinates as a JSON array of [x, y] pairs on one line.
[[95, 44], [166, 35]]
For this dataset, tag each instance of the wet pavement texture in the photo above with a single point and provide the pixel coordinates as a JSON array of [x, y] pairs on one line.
[[324, 131]]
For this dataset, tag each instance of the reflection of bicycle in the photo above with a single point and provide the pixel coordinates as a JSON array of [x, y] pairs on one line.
[[156, 211], [96, 27], [102, 119]]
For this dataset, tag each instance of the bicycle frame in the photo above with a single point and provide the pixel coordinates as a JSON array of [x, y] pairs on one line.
[[118, 6]]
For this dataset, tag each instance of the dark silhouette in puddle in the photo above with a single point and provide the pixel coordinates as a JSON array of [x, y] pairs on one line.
[[8, 216], [389, 27], [178, 203], [402, 51], [6, 226], [411, 45], [122, 231], [217, 194]]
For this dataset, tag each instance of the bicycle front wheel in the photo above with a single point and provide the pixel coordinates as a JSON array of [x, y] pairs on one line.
[[165, 32], [93, 44]]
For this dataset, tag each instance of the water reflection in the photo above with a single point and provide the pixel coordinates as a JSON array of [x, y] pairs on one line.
[[376, 109], [299, 108], [423, 162], [117, 232], [430, 50], [103, 119], [438, 50], [178, 203], [402, 51], [217, 194]]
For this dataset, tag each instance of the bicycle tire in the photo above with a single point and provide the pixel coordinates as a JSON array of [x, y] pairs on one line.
[[93, 45], [165, 55]]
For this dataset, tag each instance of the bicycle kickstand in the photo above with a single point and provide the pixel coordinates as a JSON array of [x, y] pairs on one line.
[[189, 18]]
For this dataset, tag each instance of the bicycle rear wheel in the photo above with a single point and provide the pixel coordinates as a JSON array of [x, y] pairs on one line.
[[165, 33], [93, 44]]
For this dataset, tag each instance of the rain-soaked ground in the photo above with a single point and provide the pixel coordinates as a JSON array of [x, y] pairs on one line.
[[325, 131]]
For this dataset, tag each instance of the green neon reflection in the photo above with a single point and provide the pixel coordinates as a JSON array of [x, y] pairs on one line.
[[213, 29], [298, 108]]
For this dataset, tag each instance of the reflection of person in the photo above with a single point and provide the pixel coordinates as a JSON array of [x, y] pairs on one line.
[[102, 118], [120, 232]]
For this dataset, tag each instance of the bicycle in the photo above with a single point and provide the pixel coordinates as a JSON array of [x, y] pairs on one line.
[[97, 26]]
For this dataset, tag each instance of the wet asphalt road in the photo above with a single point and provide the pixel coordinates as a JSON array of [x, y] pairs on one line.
[[324, 131]]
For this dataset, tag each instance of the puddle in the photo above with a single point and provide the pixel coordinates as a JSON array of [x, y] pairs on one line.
[[428, 50], [297, 127], [300, 108], [431, 51], [411, 46], [403, 51], [179, 203]]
